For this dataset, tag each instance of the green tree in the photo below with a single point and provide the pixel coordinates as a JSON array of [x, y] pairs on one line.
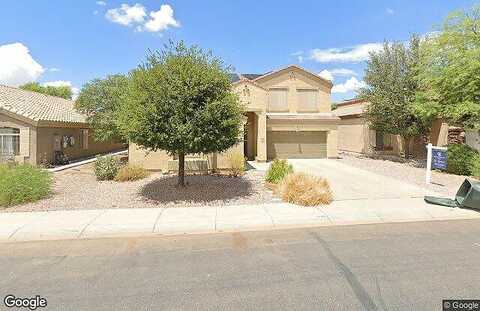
[[181, 101], [58, 91], [391, 78], [450, 70], [99, 100]]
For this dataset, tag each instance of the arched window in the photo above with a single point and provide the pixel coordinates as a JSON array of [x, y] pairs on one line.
[[9, 141]]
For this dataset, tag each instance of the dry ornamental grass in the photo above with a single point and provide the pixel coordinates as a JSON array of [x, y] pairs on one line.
[[304, 189]]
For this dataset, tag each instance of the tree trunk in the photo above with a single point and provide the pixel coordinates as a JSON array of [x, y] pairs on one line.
[[181, 169]]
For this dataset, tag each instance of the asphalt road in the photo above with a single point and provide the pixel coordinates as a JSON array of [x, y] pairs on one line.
[[369, 267]]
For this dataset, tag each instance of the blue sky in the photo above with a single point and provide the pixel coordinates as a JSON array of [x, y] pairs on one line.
[[72, 42]]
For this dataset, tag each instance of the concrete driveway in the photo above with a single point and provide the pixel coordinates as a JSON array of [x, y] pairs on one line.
[[351, 183]]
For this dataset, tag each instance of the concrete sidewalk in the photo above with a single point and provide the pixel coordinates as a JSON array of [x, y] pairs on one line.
[[157, 221]]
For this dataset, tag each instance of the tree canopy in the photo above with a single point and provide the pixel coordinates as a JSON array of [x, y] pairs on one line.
[[391, 90], [100, 100], [449, 70], [58, 91], [181, 101]]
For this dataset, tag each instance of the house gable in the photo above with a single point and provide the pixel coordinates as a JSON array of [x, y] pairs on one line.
[[295, 81]]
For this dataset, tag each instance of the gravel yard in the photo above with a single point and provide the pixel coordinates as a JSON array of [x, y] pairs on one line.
[[444, 183], [77, 188]]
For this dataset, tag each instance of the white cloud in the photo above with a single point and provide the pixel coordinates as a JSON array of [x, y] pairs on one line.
[[17, 66], [330, 74], [351, 84], [126, 14], [75, 90], [390, 11], [161, 19], [343, 72], [155, 21], [356, 53], [53, 69], [326, 74], [101, 3]]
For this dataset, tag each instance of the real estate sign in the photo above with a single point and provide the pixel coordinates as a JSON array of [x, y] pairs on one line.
[[436, 159], [439, 159]]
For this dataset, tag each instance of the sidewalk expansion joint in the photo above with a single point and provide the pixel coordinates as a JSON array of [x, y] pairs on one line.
[[157, 220], [91, 222]]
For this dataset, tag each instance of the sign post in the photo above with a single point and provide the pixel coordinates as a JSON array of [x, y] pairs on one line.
[[437, 159]]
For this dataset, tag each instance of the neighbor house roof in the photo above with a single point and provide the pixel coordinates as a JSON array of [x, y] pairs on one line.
[[38, 107], [235, 77], [350, 108]]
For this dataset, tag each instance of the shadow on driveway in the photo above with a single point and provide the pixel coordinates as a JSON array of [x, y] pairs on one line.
[[199, 189]]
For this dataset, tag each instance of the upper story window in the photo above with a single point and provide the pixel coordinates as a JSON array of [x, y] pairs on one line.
[[9, 141], [307, 100], [277, 100]]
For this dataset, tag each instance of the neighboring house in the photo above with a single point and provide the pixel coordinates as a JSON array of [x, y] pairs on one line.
[[287, 115], [355, 135], [37, 129]]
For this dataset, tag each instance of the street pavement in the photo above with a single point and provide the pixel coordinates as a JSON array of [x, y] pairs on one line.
[[401, 266]]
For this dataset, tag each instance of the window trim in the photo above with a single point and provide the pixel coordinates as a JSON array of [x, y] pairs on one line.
[[16, 146]]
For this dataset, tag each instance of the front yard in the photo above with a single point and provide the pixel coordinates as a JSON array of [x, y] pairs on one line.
[[78, 188]]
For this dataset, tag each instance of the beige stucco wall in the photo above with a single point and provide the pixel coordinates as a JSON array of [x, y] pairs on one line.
[[353, 135], [150, 160], [45, 144], [28, 138], [161, 161]]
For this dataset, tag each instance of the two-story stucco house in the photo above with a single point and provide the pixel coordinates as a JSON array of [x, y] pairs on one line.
[[288, 115]]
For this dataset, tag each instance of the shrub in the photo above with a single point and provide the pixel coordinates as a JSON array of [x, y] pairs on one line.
[[23, 183], [278, 170], [131, 173], [304, 189], [236, 161], [476, 166], [106, 168], [460, 159]]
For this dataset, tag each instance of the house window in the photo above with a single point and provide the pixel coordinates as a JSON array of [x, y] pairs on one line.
[[307, 100], [383, 141], [9, 141], [277, 100]]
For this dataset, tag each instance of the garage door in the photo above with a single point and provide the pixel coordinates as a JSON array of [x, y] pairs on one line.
[[296, 145]]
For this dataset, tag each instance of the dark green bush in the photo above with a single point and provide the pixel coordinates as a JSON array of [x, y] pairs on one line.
[[476, 166], [106, 168], [460, 159], [23, 183], [278, 170]]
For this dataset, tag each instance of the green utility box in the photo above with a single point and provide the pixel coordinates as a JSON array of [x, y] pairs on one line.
[[468, 196]]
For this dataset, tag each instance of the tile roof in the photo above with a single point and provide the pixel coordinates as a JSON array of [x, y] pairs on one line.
[[235, 77], [38, 107]]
